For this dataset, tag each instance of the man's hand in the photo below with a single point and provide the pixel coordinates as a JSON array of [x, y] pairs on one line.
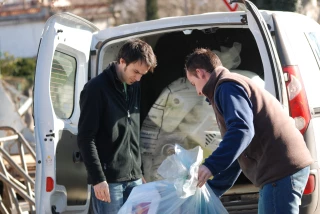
[[101, 190], [203, 175], [143, 180]]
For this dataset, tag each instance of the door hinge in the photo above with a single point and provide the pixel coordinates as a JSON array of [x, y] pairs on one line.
[[244, 19]]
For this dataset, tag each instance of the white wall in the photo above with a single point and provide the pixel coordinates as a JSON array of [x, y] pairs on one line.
[[21, 40]]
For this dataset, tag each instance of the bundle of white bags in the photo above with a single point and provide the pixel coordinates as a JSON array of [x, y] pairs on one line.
[[230, 58], [178, 192]]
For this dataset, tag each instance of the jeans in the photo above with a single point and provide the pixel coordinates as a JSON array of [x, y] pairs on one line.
[[283, 196], [119, 193]]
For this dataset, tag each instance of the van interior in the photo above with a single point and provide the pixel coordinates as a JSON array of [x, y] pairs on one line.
[[162, 123], [171, 111]]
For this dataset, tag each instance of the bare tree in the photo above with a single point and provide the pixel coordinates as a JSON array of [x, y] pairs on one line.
[[129, 11], [151, 9]]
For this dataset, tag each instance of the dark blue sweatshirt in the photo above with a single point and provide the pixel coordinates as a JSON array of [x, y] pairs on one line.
[[234, 104]]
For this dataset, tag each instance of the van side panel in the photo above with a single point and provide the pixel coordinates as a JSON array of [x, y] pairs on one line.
[[291, 35], [74, 182]]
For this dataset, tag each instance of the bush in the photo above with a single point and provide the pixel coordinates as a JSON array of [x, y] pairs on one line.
[[280, 5], [151, 9], [18, 67]]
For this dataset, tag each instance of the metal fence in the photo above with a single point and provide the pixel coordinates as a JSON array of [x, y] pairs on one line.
[[17, 172]]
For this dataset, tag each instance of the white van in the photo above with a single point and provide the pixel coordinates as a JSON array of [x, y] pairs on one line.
[[280, 48]]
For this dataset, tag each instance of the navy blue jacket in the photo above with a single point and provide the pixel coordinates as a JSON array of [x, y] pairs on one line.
[[236, 109]]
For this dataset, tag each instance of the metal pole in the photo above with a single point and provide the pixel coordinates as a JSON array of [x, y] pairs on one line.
[[7, 157], [0, 56], [12, 197], [7, 138], [24, 166]]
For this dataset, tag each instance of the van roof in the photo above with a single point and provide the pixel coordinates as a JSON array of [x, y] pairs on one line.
[[292, 21], [205, 19], [231, 18]]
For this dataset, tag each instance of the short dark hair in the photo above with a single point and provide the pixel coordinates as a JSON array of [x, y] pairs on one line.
[[135, 50], [202, 58]]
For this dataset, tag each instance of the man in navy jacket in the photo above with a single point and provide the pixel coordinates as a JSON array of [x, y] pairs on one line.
[[258, 137]]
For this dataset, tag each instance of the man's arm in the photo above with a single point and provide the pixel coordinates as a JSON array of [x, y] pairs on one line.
[[225, 180], [236, 108], [90, 105]]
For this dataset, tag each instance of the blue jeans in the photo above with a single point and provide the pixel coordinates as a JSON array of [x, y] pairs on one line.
[[283, 196], [119, 193]]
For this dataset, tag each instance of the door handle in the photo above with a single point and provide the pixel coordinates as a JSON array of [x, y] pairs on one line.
[[76, 157]]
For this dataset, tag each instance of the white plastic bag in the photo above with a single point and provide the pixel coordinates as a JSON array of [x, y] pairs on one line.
[[230, 57], [250, 75], [178, 193], [178, 116]]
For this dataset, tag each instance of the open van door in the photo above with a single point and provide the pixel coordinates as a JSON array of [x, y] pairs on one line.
[[61, 72], [274, 82]]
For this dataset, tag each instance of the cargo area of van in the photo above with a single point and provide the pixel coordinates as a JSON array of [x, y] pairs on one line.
[[173, 113]]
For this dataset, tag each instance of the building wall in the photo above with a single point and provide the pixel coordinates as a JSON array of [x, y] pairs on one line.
[[21, 39]]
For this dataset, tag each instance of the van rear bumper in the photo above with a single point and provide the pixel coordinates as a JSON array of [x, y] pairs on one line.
[[241, 198], [244, 203]]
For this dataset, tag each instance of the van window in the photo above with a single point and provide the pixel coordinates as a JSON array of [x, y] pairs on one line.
[[314, 40], [62, 82], [310, 65]]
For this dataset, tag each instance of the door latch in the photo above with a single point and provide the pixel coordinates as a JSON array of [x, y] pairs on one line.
[[53, 209], [50, 135]]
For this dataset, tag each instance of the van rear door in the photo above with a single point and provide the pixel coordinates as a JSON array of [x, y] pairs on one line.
[[274, 82], [61, 72]]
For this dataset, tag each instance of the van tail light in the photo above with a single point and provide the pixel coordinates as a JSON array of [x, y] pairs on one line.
[[298, 104], [49, 184], [310, 185]]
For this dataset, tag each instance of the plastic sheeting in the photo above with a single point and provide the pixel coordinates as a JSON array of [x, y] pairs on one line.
[[230, 58], [179, 116], [178, 193]]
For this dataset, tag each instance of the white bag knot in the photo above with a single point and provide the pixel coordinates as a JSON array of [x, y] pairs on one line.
[[181, 168]]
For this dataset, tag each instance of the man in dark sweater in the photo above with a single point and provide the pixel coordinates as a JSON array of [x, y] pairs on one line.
[[259, 137], [109, 127]]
